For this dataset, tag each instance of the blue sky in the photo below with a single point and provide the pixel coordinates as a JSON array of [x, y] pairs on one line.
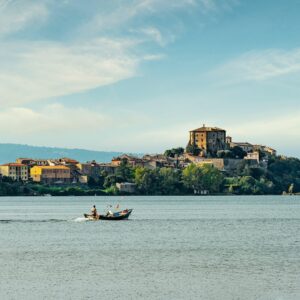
[[136, 75]]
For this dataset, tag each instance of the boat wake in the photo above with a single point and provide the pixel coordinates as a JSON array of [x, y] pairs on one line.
[[81, 219], [31, 221]]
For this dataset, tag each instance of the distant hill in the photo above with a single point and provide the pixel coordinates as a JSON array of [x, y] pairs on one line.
[[9, 153]]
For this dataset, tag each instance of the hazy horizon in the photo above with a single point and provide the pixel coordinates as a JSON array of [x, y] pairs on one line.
[[136, 75]]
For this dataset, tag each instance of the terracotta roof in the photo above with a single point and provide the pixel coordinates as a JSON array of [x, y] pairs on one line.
[[204, 128], [52, 167], [70, 160], [128, 157]]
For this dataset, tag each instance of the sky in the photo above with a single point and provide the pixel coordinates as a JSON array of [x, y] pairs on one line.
[[137, 75]]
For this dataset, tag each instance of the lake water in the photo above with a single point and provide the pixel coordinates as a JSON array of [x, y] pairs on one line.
[[171, 248]]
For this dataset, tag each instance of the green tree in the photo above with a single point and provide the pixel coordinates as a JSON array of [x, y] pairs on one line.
[[191, 177], [257, 172], [173, 152], [193, 149], [283, 172], [248, 185], [125, 171], [111, 180], [148, 181], [212, 178], [225, 154], [97, 182], [92, 182], [171, 182], [206, 177], [238, 152]]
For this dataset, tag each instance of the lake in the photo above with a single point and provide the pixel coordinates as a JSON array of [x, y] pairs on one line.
[[170, 248]]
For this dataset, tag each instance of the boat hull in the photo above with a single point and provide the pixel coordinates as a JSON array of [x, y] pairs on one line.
[[118, 216]]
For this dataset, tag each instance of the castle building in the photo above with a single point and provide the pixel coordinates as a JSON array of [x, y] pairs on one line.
[[208, 139]]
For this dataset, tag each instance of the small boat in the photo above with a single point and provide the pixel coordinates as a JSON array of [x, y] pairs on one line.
[[116, 216]]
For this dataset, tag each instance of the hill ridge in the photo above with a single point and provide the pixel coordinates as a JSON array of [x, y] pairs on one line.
[[10, 151]]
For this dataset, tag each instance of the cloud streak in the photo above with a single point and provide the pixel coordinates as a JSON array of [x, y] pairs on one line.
[[48, 69], [127, 11], [59, 125], [280, 132], [17, 15], [260, 65], [34, 69], [51, 118]]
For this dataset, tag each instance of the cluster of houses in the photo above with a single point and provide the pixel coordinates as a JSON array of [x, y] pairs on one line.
[[67, 170], [207, 139], [50, 171]]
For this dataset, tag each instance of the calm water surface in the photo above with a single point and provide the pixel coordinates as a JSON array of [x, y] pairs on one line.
[[171, 248]]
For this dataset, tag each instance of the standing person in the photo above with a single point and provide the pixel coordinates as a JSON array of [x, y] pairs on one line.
[[94, 211]]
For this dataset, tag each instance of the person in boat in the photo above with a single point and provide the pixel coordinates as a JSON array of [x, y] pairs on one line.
[[109, 213], [94, 212]]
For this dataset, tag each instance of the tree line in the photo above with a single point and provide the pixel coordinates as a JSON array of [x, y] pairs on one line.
[[281, 175]]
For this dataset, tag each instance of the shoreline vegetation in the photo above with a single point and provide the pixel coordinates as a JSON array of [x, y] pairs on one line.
[[280, 176]]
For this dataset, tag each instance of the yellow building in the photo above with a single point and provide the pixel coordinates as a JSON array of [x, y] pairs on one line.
[[51, 174], [265, 149], [208, 139], [15, 171]]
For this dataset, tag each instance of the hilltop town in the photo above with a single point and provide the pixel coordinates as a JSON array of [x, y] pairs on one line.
[[209, 152]]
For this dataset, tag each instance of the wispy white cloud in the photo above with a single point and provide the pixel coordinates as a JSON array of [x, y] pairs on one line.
[[34, 69], [56, 125], [128, 11], [152, 57], [106, 50], [280, 132], [204, 5], [51, 119], [286, 125], [47, 69], [17, 15], [154, 34], [260, 65], [76, 127]]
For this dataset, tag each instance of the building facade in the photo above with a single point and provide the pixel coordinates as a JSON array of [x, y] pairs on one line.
[[25, 161], [247, 147], [51, 174], [15, 171], [126, 187], [265, 149], [131, 160], [208, 139], [253, 156]]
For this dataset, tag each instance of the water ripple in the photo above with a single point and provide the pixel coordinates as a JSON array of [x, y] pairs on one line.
[[31, 221]]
